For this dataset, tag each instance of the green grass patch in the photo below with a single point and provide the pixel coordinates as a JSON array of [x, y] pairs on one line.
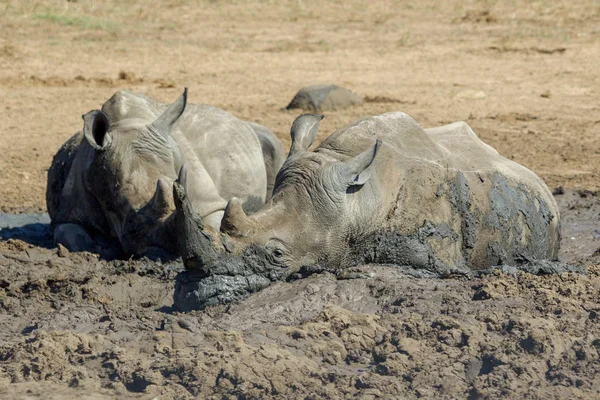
[[81, 22]]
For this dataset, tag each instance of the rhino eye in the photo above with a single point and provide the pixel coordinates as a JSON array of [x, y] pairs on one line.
[[276, 250], [277, 253]]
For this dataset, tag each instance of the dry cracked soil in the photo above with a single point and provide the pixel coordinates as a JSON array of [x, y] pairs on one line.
[[523, 74]]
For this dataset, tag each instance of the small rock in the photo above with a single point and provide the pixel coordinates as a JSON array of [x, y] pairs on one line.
[[318, 98], [126, 75], [409, 346], [62, 251], [473, 368], [185, 324]]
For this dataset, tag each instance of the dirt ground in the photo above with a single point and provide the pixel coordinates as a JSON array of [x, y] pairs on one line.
[[523, 74]]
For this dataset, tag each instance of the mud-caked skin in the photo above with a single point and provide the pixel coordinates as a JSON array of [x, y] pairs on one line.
[[380, 190], [113, 179]]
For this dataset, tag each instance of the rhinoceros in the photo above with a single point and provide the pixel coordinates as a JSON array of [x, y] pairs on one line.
[[114, 178], [379, 190]]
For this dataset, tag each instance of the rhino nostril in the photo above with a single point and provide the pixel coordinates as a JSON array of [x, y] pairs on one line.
[[196, 267], [190, 264], [131, 248]]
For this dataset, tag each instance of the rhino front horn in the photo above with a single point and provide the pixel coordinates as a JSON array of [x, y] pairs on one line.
[[195, 246], [235, 222]]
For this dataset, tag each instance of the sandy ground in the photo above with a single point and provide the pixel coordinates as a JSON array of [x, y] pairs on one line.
[[523, 74]]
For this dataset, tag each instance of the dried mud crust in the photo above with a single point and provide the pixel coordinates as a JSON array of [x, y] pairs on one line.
[[74, 326]]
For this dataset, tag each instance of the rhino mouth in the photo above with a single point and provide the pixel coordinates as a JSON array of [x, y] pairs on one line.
[[225, 279], [191, 294]]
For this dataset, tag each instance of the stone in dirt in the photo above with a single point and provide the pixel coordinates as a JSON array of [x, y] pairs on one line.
[[319, 98]]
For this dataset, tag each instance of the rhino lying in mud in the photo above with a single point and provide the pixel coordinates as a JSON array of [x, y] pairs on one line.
[[380, 190], [115, 177]]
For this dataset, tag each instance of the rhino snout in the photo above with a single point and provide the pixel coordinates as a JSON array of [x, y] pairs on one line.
[[226, 279], [192, 294]]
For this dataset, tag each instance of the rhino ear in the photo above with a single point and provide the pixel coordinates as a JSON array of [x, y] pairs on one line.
[[354, 172], [95, 129], [303, 132], [165, 121]]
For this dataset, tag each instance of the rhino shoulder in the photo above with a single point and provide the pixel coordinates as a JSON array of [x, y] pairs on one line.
[[272, 149], [274, 154], [228, 149], [216, 126], [67, 199], [59, 172]]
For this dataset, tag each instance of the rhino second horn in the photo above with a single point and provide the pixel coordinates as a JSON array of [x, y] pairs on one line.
[[162, 125], [95, 129], [195, 246], [235, 221], [161, 202]]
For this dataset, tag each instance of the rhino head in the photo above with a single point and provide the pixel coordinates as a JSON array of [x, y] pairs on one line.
[[306, 225], [130, 172]]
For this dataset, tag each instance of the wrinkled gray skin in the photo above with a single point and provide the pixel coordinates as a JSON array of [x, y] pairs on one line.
[[380, 190], [114, 179], [273, 153]]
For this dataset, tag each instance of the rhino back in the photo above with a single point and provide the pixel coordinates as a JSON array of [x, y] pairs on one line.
[[507, 214], [445, 200]]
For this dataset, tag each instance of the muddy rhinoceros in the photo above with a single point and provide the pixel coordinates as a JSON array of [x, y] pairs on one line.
[[114, 178], [380, 190]]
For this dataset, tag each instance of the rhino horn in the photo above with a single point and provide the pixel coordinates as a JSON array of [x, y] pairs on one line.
[[161, 202], [95, 129], [356, 171], [303, 132], [235, 221], [162, 125], [196, 249]]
